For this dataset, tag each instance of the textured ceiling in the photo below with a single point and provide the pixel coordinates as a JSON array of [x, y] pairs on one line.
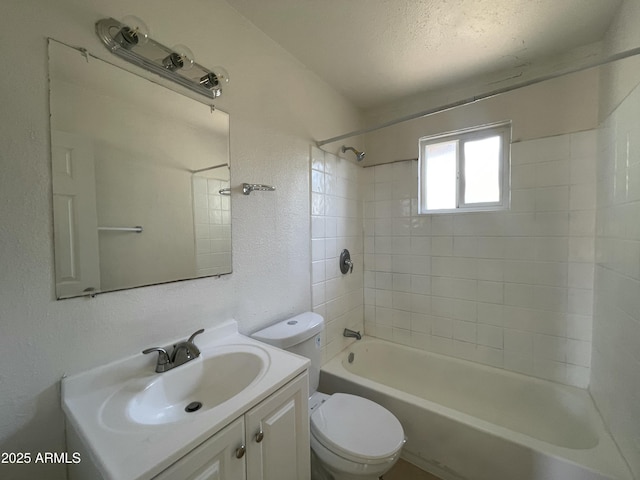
[[377, 51]]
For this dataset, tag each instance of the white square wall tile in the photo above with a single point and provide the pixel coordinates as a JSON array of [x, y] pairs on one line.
[[401, 282], [317, 226], [490, 336], [442, 327], [584, 144], [490, 292], [317, 181], [317, 272], [523, 153], [330, 184], [550, 370], [548, 347], [490, 356], [318, 294], [579, 352], [578, 376], [551, 199], [519, 341], [420, 323], [580, 301], [401, 319], [317, 249], [317, 159], [582, 197], [553, 173], [465, 331], [581, 275], [523, 176], [466, 310], [552, 148], [421, 304], [442, 246], [583, 169], [581, 249], [490, 314], [317, 204]]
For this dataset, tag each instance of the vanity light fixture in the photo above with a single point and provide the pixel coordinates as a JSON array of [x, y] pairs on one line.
[[129, 39]]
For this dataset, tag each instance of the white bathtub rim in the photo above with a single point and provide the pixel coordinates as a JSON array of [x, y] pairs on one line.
[[599, 458]]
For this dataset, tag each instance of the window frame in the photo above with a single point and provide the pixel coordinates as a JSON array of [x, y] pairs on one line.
[[501, 129]]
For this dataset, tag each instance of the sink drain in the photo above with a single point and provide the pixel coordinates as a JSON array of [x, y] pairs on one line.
[[193, 407]]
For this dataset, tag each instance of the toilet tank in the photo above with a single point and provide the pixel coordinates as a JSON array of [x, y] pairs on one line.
[[300, 335]]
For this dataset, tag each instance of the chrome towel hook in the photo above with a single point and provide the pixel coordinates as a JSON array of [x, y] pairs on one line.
[[247, 188]]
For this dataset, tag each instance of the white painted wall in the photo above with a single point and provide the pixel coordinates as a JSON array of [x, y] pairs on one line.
[[277, 109], [564, 105]]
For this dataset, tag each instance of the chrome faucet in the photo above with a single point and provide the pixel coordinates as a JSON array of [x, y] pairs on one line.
[[182, 353], [351, 333]]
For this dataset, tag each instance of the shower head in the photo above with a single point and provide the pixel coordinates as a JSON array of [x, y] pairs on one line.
[[359, 155]]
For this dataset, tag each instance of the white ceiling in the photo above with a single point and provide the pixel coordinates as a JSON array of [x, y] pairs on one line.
[[378, 51]]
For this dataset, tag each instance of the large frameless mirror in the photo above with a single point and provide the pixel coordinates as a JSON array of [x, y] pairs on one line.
[[140, 179]]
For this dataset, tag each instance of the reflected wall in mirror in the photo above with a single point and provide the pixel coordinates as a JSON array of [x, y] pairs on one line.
[[129, 153]]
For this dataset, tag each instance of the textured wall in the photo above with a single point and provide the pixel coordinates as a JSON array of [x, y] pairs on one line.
[[277, 109]]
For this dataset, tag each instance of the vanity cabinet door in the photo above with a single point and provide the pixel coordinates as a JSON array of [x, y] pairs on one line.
[[215, 459], [277, 433]]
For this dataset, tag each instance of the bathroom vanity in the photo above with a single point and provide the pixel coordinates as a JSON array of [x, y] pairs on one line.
[[239, 411]]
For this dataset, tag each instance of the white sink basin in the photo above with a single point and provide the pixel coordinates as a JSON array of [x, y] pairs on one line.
[[132, 420], [199, 385]]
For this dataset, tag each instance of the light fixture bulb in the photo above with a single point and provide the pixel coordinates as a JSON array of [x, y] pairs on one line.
[[222, 75], [180, 59], [215, 80], [134, 32]]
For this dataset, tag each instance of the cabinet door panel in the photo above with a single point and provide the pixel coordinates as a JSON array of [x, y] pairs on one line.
[[215, 459], [282, 451], [280, 442]]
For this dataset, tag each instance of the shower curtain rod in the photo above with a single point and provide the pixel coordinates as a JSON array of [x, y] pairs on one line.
[[483, 96], [210, 168]]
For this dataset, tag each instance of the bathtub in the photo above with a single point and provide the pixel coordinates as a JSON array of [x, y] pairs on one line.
[[469, 421]]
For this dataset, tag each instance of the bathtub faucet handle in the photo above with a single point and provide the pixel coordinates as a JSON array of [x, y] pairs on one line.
[[352, 333], [346, 264]]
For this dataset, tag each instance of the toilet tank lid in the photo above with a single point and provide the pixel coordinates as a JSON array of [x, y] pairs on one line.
[[292, 331]]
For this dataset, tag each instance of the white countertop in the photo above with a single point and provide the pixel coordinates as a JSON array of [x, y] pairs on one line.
[[126, 450]]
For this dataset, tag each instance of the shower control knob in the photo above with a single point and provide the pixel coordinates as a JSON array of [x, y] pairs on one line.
[[346, 264]]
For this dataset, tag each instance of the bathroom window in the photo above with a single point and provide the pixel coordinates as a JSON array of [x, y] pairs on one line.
[[465, 170]]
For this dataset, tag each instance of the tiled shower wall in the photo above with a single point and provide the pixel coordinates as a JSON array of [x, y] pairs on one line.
[[616, 356], [212, 220], [336, 224], [510, 289]]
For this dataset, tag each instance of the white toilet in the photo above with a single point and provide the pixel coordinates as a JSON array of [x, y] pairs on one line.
[[352, 438]]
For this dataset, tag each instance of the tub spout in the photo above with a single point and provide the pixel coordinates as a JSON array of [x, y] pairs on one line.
[[352, 333]]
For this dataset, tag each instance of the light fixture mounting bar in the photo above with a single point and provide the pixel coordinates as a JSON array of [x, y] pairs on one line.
[[150, 55]]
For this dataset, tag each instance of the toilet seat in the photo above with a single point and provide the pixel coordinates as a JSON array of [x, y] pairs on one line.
[[357, 429]]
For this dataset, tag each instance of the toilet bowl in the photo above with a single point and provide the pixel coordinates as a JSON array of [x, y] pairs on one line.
[[352, 438]]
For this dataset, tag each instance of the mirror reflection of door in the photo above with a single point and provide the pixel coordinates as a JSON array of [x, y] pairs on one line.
[[74, 213]]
